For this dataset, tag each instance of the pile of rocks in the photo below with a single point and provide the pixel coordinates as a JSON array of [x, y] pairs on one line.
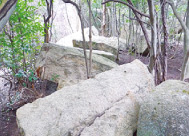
[[117, 102], [106, 105], [104, 46], [64, 62]]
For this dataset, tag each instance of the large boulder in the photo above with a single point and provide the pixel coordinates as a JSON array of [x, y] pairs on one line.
[[165, 111], [66, 66], [6, 9], [104, 46], [68, 40], [106, 105], [107, 44], [66, 20]]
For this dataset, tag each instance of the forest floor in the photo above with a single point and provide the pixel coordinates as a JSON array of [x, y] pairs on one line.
[[174, 61], [8, 126]]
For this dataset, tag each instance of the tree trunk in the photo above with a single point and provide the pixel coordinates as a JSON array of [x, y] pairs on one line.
[[185, 66], [130, 27], [47, 20], [185, 27], [165, 44], [153, 50], [103, 25], [6, 9], [113, 21], [82, 30], [90, 39]]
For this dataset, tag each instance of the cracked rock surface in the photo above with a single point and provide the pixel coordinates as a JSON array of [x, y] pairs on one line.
[[119, 120], [165, 112], [104, 106]]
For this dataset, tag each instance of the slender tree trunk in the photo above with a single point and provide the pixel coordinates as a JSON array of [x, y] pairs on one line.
[[84, 44], [113, 10], [90, 39], [103, 25], [153, 50], [185, 66], [93, 18], [82, 30], [165, 44], [118, 29], [130, 27], [47, 20], [153, 65], [185, 27]]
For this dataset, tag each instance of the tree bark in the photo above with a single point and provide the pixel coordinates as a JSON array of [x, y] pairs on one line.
[[113, 20], [153, 50], [185, 27], [90, 39], [6, 10], [47, 20], [165, 44], [103, 25]]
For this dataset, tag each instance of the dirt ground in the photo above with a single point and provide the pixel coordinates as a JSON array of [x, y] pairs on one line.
[[8, 126], [175, 59]]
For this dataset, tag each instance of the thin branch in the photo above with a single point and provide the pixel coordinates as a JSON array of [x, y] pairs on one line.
[[83, 35], [130, 6], [176, 14], [142, 26], [137, 20], [93, 18]]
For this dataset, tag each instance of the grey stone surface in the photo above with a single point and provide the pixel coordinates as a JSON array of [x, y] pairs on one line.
[[107, 44], [105, 50], [68, 40], [104, 54], [165, 111], [97, 45], [66, 20], [119, 120], [66, 65], [110, 100]]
